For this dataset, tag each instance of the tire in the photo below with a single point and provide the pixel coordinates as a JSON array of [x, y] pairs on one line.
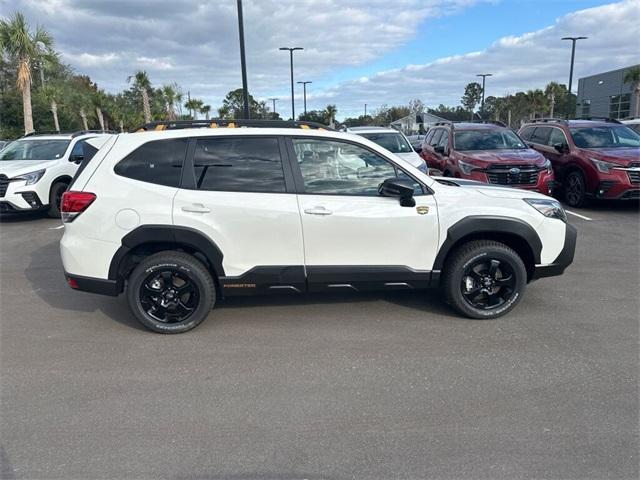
[[467, 288], [153, 292], [575, 189], [55, 199]]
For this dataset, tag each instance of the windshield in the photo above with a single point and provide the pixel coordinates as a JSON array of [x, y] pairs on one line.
[[34, 150], [394, 142], [605, 137], [487, 140]]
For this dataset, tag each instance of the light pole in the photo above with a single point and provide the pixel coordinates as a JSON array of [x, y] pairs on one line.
[[484, 76], [573, 55], [243, 63], [274, 106], [304, 89], [291, 50]]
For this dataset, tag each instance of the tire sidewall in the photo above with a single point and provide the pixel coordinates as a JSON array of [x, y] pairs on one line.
[[56, 190], [455, 279], [206, 297]]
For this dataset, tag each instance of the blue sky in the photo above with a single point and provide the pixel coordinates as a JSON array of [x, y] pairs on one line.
[[474, 28]]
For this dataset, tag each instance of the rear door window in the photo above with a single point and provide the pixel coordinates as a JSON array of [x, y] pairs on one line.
[[159, 162], [526, 133], [239, 164]]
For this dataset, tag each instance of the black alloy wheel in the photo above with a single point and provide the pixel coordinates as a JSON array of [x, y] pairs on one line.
[[169, 296], [488, 283], [574, 189]]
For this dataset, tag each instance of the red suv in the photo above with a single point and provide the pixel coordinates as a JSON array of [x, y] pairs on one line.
[[487, 152], [591, 159]]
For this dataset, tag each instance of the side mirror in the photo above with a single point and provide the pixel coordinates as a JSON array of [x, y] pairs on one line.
[[439, 149], [417, 149], [396, 187], [561, 147], [76, 159]]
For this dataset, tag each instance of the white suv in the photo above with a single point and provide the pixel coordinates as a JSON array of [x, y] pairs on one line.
[[394, 141], [36, 169], [179, 217]]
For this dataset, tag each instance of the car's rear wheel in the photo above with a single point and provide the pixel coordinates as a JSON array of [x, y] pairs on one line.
[[171, 292], [575, 189], [484, 279], [55, 199]]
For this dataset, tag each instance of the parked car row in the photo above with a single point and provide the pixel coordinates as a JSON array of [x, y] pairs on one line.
[[581, 159]]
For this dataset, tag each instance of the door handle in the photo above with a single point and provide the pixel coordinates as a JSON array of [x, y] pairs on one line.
[[319, 210], [196, 208]]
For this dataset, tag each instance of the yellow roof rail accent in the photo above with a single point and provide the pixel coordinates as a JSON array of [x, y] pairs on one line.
[[304, 127], [213, 125], [160, 127], [231, 125]]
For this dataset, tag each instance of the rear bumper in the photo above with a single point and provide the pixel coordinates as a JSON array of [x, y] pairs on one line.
[[564, 259], [93, 285]]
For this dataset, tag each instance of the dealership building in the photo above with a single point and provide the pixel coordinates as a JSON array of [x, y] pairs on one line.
[[606, 95]]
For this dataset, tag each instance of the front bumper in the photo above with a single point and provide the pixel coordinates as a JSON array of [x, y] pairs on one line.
[[618, 184], [564, 259]]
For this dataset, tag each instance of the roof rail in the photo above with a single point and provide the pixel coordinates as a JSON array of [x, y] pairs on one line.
[[602, 119], [546, 120], [73, 133], [223, 123], [487, 122], [443, 123]]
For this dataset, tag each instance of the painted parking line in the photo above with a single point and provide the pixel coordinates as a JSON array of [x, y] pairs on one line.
[[579, 216], [57, 228]]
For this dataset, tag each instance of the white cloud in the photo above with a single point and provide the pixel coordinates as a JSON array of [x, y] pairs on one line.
[[90, 60], [530, 60]]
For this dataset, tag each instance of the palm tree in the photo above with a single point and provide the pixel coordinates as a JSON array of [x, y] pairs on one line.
[[194, 105], [142, 84], [99, 100], [205, 109], [555, 93], [330, 111], [633, 76], [52, 93], [537, 101], [24, 47], [172, 96]]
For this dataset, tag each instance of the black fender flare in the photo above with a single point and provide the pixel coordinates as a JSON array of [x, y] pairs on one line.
[[487, 224], [169, 234]]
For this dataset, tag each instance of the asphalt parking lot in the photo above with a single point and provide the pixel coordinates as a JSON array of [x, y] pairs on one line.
[[343, 386]]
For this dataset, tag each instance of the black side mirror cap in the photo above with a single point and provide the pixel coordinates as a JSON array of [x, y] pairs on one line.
[[396, 187], [561, 147], [76, 158], [417, 149], [439, 149]]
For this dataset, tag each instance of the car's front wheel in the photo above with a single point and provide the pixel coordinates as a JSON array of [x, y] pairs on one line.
[[575, 189], [171, 292], [484, 279]]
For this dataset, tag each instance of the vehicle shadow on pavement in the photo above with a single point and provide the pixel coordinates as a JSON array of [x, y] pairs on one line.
[[50, 285]]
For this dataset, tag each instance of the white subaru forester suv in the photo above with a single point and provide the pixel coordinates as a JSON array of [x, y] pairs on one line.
[[36, 169], [181, 214]]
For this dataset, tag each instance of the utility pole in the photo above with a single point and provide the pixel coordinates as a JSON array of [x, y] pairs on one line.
[[573, 55], [293, 105], [304, 88], [243, 63], [484, 76], [274, 105], [365, 110], [189, 102]]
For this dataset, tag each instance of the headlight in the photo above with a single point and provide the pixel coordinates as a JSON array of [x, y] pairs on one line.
[[548, 166], [30, 178], [603, 167], [467, 168], [548, 207]]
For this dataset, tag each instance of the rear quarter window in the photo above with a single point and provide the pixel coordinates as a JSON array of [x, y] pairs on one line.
[[159, 162]]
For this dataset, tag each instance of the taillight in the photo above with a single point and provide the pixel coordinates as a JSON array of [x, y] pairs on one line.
[[74, 203]]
